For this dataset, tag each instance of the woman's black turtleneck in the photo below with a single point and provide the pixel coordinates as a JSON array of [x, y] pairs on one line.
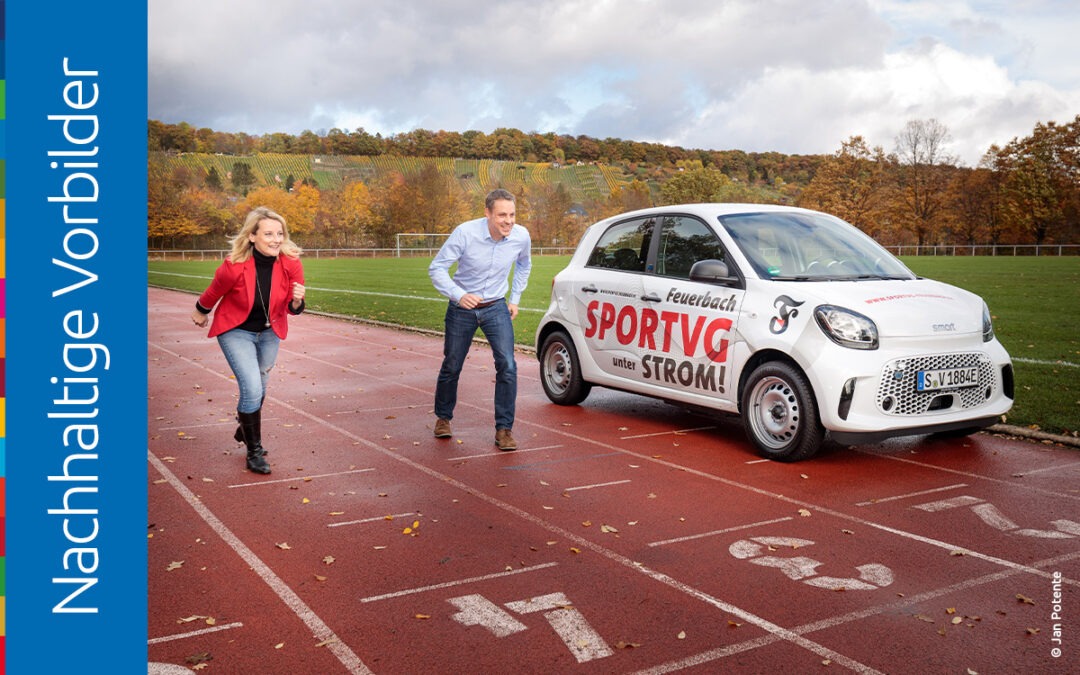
[[264, 269]]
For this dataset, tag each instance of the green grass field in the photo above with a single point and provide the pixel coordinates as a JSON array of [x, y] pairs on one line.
[[1033, 301]]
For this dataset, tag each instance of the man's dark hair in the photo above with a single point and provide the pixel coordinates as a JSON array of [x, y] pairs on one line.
[[497, 194]]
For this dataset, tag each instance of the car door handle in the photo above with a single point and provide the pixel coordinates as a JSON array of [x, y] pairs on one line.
[[651, 297], [590, 289]]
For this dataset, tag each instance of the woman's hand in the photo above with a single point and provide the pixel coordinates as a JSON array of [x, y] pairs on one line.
[[298, 292], [199, 318]]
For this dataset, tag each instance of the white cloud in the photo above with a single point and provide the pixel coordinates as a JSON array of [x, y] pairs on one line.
[[773, 75]]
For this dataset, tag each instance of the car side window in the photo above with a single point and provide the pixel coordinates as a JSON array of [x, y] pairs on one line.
[[625, 246], [683, 242]]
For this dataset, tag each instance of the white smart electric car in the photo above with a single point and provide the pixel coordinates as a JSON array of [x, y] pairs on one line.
[[791, 318]]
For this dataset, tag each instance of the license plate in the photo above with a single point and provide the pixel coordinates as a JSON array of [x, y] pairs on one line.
[[932, 380]]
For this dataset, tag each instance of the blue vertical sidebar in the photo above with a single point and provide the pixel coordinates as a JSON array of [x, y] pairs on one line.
[[75, 383]]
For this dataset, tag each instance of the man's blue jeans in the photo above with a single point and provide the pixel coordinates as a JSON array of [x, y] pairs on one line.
[[461, 324], [251, 356]]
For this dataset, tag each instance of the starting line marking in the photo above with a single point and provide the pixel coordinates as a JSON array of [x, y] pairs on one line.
[[716, 532], [459, 582], [674, 432], [500, 453], [912, 494], [295, 478], [596, 485], [181, 636], [374, 519]]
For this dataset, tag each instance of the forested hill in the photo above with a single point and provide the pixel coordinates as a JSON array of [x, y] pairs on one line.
[[772, 178]]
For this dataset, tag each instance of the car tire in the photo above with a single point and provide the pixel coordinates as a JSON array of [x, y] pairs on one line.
[[779, 413], [560, 372]]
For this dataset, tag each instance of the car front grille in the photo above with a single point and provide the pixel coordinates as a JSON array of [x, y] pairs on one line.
[[898, 395]]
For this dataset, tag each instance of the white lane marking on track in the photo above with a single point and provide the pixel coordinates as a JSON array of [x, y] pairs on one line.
[[968, 474], [501, 453], [596, 485], [839, 620], [194, 633], [459, 582], [691, 537], [208, 424], [318, 627], [944, 504], [679, 586], [299, 478], [822, 509], [373, 519], [920, 493], [673, 432], [1070, 465]]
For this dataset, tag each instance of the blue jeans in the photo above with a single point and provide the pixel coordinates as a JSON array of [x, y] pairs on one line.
[[461, 324], [251, 356]]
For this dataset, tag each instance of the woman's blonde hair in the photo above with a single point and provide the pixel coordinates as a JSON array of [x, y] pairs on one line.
[[241, 244]]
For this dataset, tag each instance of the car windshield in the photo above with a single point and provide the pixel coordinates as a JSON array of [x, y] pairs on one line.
[[796, 246]]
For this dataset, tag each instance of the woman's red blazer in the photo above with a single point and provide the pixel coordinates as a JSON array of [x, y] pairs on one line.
[[234, 286]]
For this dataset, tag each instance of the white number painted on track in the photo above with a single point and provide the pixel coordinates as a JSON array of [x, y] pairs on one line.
[[569, 624], [992, 516], [872, 576]]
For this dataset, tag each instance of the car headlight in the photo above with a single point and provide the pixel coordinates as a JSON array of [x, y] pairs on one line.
[[847, 328], [988, 325]]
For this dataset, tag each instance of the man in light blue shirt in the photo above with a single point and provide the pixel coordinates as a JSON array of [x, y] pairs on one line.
[[484, 249]]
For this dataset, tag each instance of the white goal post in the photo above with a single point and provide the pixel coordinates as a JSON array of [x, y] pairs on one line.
[[419, 243]]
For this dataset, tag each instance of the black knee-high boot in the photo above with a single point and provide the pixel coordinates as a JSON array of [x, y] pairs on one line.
[[251, 426], [238, 436]]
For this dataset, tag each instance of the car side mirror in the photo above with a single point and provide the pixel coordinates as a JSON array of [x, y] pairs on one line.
[[711, 272]]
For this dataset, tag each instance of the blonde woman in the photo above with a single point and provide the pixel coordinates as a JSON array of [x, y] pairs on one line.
[[255, 289]]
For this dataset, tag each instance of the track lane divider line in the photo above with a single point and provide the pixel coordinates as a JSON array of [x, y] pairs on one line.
[[459, 582], [881, 500], [319, 628], [194, 633]]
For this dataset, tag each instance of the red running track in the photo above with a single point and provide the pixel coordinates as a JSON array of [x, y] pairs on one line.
[[624, 536]]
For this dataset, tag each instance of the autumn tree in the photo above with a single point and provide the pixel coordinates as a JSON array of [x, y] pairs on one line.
[[213, 179], [549, 214], [698, 185], [298, 207], [1043, 180], [922, 176], [851, 185], [345, 216], [242, 177]]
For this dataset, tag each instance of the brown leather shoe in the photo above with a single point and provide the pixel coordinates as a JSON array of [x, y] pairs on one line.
[[442, 429], [505, 440]]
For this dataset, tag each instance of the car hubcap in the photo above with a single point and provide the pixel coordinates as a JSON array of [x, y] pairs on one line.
[[557, 368], [775, 415]]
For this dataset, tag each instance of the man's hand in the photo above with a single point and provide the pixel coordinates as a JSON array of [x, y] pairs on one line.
[[469, 301], [513, 310]]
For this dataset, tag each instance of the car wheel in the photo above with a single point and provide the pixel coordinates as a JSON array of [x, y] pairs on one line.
[[779, 413], [559, 370]]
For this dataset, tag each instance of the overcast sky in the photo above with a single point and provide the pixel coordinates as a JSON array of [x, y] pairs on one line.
[[792, 76]]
